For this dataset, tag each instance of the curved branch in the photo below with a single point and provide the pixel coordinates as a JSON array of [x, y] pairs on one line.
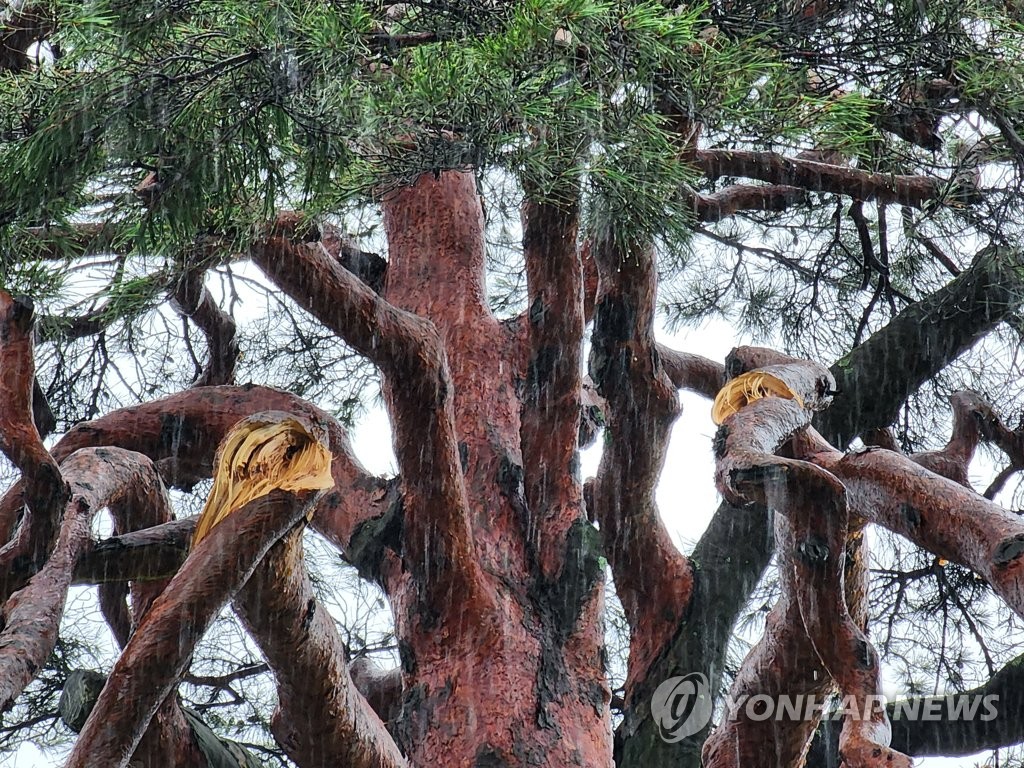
[[195, 302], [98, 477], [42, 489], [148, 554], [653, 579], [773, 168], [181, 433], [409, 350], [735, 198], [813, 551], [692, 372]]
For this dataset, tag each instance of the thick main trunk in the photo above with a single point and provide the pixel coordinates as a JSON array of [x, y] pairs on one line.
[[519, 681]]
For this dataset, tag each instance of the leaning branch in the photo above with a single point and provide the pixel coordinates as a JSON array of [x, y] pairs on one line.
[[321, 718], [407, 349], [159, 652], [42, 489], [195, 302], [920, 341], [181, 433], [653, 580], [773, 168], [759, 415], [98, 477]]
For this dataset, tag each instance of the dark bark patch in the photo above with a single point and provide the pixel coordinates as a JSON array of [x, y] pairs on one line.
[[407, 658], [1008, 551], [177, 435], [464, 456], [720, 443], [537, 311], [910, 515], [583, 569], [372, 536], [488, 756], [813, 551], [307, 619], [540, 370]]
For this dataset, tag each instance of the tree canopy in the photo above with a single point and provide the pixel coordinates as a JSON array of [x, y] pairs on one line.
[[215, 215]]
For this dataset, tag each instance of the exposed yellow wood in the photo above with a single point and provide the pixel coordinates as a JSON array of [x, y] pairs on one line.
[[747, 388], [265, 452]]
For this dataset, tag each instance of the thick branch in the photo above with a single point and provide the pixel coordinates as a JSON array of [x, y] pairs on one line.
[[98, 477], [992, 723], [920, 341], [407, 349], [42, 488], [181, 433], [149, 554], [654, 581], [196, 303], [746, 197], [692, 372], [159, 652], [935, 513], [914, 191], [813, 553], [552, 398], [321, 719]]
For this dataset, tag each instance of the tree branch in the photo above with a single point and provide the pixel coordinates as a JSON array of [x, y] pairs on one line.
[[158, 653], [735, 198], [407, 349], [552, 398], [195, 302], [924, 337], [653, 579], [321, 719], [98, 477], [181, 433], [42, 490], [914, 191], [148, 554]]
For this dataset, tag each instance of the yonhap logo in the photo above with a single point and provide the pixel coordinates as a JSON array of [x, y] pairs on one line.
[[682, 706]]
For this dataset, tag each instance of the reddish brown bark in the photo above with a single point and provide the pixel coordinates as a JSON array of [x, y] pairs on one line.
[[181, 433], [554, 377], [783, 662], [406, 348], [149, 554], [937, 514], [493, 616], [98, 477], [914, 191], [321, 719], [653, 579], [813, 551], [197, 304], [159, 651], [692, 372], [44, 491]]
